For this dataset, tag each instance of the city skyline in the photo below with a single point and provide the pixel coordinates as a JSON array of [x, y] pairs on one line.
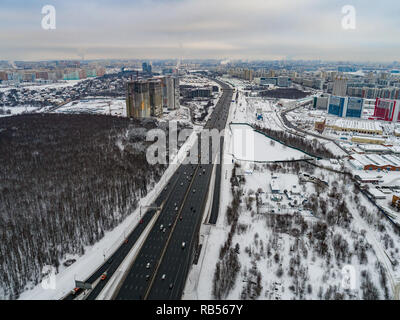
[[189, 29]]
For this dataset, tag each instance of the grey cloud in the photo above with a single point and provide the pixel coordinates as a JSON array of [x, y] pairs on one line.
[[252, 29]]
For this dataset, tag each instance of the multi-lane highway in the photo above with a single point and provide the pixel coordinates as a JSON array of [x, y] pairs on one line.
[[161, 266], [182, 204], [113, 262], [216, 197]]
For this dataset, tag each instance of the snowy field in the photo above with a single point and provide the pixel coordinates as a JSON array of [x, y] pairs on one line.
[[196, 81], [114, 107], [67, 83], [17, 110], [249, 145]]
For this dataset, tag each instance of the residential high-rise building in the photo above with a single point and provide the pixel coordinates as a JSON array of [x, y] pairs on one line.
[[82, 73], [370, 93], [283, 81], [355, 91], [354, 107], [42, 75], [164, 91], [171, 92], [248, 74], [155, 95], [340, 87], [3, 76], [345, 106], [336, 105], [138, 99], [176, 93], [71, 74], [321, 103], [29, 76], [387, 110]]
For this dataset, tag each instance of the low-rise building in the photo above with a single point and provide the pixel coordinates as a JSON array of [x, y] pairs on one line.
[[368, 139], [396, 201], [358, 126], [274, 185], [376, 194], [375, 162], [319, 125], [365, 177]]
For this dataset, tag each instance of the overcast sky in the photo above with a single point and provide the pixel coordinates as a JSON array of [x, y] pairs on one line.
[[223, 29]]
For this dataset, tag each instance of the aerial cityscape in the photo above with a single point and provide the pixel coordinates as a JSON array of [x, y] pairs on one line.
[[184, 155]]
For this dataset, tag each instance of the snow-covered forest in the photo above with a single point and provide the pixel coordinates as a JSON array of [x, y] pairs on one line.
[[64, 181], [301, 253]]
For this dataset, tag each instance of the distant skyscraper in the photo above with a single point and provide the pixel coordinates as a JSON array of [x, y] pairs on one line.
[[340, 87], [146, 67], [3, 76], [248, 74]]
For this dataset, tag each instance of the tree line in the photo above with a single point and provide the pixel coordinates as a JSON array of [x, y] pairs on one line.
[[64, 182]]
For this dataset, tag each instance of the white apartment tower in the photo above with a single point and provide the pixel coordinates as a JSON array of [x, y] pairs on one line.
[[340, 87]]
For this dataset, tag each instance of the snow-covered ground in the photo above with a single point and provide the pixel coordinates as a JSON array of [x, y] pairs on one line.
[[66, 83], [296, 264], [182, 114], [249, 145], [115, 107], [17, 110], [196, 81], [249, 107], [289, 260]]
